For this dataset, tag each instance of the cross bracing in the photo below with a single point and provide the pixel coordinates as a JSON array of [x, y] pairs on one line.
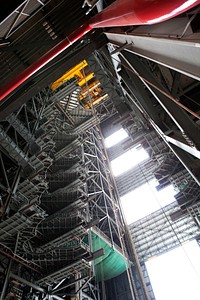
[[157, 233], [64, 187]]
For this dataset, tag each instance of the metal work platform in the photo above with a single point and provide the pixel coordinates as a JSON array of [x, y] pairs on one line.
[[82, 267]]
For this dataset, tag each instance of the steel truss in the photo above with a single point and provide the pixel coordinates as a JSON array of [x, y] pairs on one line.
[[157, 233], [19, 16], [61, 187]]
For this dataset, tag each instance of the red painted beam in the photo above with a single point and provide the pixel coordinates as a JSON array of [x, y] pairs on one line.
[[119, 13], [140, 12], [43, 60]]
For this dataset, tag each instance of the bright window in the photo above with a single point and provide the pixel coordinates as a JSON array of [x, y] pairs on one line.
[[115, 138], [175, 275], [128, 160], [145, 200]]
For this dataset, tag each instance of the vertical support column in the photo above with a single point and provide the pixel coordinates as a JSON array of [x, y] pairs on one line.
[[78, 289], [13, 190], [5, 285], [114, 196]]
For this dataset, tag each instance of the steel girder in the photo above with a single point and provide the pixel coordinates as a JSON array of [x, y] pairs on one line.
[[173, 44]]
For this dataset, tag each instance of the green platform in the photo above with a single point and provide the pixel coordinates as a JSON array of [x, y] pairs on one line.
[[111, 264]]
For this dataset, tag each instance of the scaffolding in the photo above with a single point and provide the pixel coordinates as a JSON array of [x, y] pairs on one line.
[[64, 209]]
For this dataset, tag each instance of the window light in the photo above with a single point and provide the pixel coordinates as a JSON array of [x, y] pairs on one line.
[[145, 199], [128, 160], [176, 274], [115, 138]]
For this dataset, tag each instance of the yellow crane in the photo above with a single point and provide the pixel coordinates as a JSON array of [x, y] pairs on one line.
[[74, 72]]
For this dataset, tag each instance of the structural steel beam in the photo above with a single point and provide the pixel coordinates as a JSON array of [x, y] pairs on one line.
[[193, 151], [24, 281], [188, 161], [133, 64], [180, 55], [139, 92], [178, 115], [56, 70], [12, 148]]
